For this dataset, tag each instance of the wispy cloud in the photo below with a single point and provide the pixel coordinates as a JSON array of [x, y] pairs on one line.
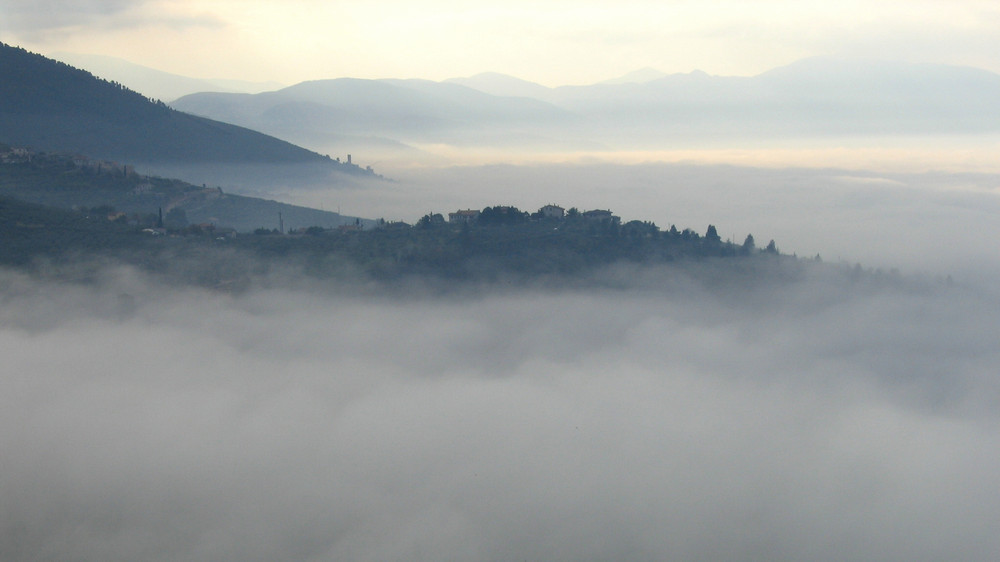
[[42, 20]]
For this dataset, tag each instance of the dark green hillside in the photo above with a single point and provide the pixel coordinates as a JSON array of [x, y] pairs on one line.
[[66, 182], [29, 231], [98, 209], [518, 248], [51, 106], [503, 242]]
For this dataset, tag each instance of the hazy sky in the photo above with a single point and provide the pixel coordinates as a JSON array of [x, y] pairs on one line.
[[555, 42]]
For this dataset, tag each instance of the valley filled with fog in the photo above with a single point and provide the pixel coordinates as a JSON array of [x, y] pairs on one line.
[[836, 400], [684, 411], [649, 413]]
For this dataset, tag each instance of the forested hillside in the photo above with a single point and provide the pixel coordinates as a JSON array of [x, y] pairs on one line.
[[51, 106], [76, 182], [57, 206]]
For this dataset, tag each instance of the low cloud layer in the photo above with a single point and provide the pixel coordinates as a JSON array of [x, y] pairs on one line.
[[654, 418]]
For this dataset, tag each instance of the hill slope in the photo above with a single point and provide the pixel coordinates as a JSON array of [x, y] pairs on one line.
[[65, 182], [51, 106], [814, 98], [320, 113]]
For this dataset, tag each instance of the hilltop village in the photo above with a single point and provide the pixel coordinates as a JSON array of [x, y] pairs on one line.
[[59, 205]]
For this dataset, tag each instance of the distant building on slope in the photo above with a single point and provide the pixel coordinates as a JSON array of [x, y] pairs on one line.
[[467, 216], [599, 215], [552, 212]]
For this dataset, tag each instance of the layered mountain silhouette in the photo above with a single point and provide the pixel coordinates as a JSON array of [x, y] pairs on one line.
[[48, 105], [72, 133], [813, 98], [640, 76], [498, 84], [327, 113]]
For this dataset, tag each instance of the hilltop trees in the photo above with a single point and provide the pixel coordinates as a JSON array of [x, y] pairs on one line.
[[500, 215], [430, 220], [712, 236], [640, 229], [499, 240]]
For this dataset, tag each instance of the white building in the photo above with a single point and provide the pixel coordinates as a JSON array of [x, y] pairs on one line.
[[553, 212], [468, 215]]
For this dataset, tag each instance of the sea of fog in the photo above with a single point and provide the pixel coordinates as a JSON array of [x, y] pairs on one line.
[[640, 414]]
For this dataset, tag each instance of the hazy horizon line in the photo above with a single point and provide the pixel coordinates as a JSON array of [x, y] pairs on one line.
[[610, 80]]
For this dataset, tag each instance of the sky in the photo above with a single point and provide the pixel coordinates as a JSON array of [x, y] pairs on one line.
[[553, 43]]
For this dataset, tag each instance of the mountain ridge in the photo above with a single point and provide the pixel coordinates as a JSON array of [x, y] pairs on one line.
[[50, 105], [409, 112], [819, 97], [71, 182]]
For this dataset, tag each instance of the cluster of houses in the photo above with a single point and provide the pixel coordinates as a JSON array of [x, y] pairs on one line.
[[20, 155], [15, 155]]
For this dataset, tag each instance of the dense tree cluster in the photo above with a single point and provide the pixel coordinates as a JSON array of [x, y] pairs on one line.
[[501, 215], [503, 239]]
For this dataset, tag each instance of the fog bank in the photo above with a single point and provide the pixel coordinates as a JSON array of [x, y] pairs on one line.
[[651, 419]]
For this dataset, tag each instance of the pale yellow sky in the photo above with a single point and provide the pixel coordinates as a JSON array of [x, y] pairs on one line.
[[556, 42]]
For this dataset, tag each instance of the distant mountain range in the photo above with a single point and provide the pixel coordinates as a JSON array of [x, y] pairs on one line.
[[497, 84], [69, 128], [336, 114], [640, 76], [212, 136], [816, 98], [51, 106], [813, 98]]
